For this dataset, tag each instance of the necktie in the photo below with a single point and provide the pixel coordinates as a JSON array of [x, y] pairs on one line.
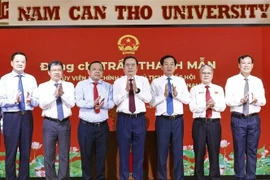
[[208, 97], [169, 98], [95, 90], [59, 104], [22, 101], [246, 104], [131, 99]]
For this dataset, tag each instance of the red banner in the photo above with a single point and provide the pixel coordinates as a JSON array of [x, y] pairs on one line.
[[192, 47]]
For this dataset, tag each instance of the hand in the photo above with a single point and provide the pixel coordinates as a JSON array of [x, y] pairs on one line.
[[253, 99], [18, 97], [128, 88], [175, 93], [166, 91], [96, 101], [134, 85], [127, 85], [244, 100], [60, 89], [100, 104], [28, 98], [210, 103]]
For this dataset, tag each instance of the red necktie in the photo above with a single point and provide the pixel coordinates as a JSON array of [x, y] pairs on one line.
[[208, 97], [96, 95], [131, 99]]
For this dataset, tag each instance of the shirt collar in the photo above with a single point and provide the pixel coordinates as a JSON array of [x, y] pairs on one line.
[[166, 77], [53, 82], [14, 74], [91, 81], [203, 85], [134, 77], [243, 77]]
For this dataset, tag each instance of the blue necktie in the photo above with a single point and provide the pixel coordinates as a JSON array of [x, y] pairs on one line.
[[22, 101], [60, 111], [169, 98]]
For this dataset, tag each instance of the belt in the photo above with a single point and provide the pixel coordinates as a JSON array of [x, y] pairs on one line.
[[56, 120], [172, 117], [132, 115], [240, 115], [22, 113], [207, 119], [94, 124]]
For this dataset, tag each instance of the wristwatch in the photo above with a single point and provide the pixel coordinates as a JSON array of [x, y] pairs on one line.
[[138, 91]]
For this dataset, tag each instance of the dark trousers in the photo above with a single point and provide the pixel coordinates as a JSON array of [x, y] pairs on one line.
[[131, 131], [56, 132], [206, 134], [246, 133], [18, 131], [93, 139], [170, 131]]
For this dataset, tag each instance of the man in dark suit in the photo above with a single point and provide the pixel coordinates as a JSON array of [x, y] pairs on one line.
[[245, 95], [17, 100], [56, 98], [207, 103], [94, 98], [130, 93], [169, 94]]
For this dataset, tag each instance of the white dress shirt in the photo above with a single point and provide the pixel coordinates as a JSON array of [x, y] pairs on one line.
[[47, 100], [120, 95], [9, 91], [85, 100], [198, 100], [234, 92], [159, 100]]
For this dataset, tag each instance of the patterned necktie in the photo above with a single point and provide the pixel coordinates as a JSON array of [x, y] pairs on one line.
[[246, 104], [60, 111], [131, 99], [208, 97], [169, 98], [20, 87], [95, 90]]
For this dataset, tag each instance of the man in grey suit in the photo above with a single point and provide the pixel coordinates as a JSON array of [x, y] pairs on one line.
[[56, 98]]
